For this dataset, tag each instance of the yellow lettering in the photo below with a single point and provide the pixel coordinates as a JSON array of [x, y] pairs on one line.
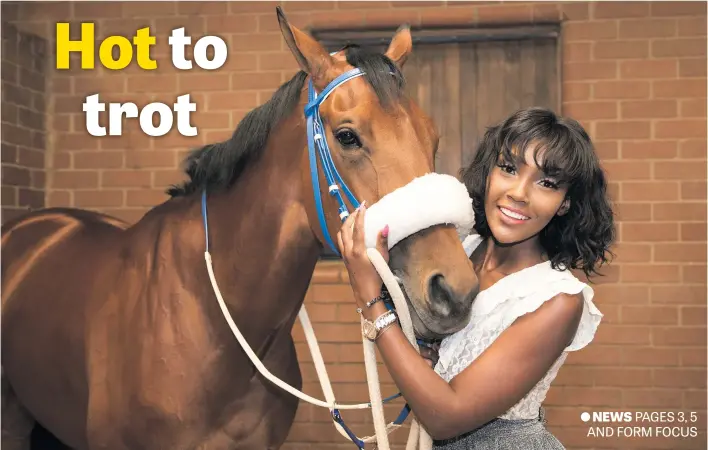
[[65, 46], [143, 40], [125, 52]]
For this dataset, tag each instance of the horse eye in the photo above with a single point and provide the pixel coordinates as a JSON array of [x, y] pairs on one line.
[[348, 139]]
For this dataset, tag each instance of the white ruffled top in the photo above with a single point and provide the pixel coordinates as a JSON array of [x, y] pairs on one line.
[[498, 306]]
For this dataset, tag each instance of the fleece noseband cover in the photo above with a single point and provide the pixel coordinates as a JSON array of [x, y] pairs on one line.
[[429, 200]]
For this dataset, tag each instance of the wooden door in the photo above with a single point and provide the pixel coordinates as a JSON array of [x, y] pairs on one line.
[[466, 87]]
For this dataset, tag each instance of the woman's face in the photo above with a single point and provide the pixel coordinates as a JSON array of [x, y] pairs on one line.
[[521, 200]]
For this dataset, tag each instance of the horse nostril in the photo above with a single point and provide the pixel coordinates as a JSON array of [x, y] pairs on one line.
[[441, 295]]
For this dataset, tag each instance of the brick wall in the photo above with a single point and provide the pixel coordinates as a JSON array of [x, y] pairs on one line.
[[634, 73], [23, 121]]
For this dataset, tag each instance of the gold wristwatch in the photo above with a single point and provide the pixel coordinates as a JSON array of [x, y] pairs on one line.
[[371, 330]]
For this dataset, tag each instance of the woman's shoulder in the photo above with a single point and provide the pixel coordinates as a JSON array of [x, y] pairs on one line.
[[526, 291]]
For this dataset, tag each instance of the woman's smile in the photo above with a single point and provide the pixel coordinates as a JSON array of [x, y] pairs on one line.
[[512, 216]]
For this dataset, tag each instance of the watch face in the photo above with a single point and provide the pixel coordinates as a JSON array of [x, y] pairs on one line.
[[369, 330]]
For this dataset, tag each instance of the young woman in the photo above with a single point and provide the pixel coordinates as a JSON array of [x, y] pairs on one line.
[[541, 209]]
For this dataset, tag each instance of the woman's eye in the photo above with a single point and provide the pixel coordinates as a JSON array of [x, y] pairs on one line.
[[506, 168], [549, 184], [348, 139]]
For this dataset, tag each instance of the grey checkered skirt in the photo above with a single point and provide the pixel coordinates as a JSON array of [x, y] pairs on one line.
[[503, 434]]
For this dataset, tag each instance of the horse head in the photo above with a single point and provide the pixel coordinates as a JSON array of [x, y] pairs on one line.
[[377, 140]]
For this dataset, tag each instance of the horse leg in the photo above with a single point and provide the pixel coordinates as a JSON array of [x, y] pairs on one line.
[[17, 424]]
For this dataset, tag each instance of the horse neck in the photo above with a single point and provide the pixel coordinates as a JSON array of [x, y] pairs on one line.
[[262, 245]]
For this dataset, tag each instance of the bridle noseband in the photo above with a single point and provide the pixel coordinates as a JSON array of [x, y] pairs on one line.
[[317, 146]]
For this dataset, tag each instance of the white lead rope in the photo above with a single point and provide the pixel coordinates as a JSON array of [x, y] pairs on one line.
[[418, 438]]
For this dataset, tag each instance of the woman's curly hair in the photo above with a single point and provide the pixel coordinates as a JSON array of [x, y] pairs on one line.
[[581, 238]]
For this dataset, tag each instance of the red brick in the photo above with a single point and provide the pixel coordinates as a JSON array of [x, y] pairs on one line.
[[681, 378], [621, 89], [624, 294], [693, 190], [194, 8], [596, 70], [626, 129], [211, 120], [652, 398], [125, 178], [74, 179], [679, 170], [693, 108], [257, 42], [693, 315], [692, 148], [292, 5], [620, 10], [152, 83], [193, 26], [694, 67], [231, 101], [98, 160], [682, 128], [652, 149], [259, 80], [103, 198], [684, 47], [653, 315], [624, 376], [693, 232], [650, 273], [631, 252], [145, 197], [606, 150], [648, 356], [228, 24], [678, 294], [693, 357], [590, 31], [509, 12], [678, 336], [595, 397], [150, 159], [621, 49], [648, 109], [673, 9], [59, 198], [694, 274], [591, 110], [679, 88], [576, 91], [257, 7], [689, 211], [649, 232], [204, 82], [647, 28], [654, 69], [393, 18], [691, 26], [680, 252], [633, 211]]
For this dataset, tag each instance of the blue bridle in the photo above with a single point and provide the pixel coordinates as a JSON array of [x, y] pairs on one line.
[[317, 146]]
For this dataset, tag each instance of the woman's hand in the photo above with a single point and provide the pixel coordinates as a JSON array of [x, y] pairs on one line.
[[363, 277], [430, 353]]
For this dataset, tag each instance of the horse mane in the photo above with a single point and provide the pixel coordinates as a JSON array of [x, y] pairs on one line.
[[218, 165]]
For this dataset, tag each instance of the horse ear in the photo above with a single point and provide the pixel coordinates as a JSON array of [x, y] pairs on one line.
[[401, 45], [310, 55]]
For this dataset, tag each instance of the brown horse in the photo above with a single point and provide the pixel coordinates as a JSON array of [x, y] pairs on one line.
[[111, 334]]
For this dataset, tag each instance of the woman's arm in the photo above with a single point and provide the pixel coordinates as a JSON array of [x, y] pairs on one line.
[[500, 377]]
